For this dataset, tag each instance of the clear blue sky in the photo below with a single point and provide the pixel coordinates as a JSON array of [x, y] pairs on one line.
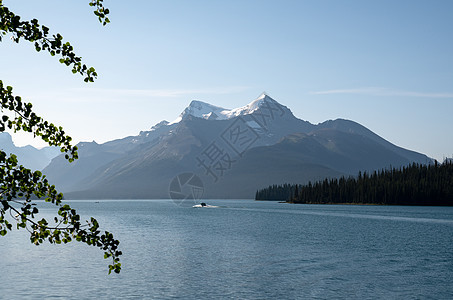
[[385, 64]]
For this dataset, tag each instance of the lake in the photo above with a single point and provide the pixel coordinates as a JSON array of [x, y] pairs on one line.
[[241, 250]]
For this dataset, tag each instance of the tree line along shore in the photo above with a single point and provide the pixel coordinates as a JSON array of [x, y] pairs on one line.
[[416, 184]]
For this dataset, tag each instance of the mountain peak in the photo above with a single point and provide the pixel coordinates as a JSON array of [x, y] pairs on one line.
[[200, 109], [203, 110], [195, 103], [197, 107], [259, 102], [264, 95]]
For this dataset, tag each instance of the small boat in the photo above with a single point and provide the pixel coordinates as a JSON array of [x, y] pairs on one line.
[[203, 204]]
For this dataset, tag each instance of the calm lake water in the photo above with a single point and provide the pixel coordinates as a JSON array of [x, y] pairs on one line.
[[242, 250]]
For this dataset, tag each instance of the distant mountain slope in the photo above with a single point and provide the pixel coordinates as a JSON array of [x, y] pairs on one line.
[[299, 158], [353, 127], [254, 146], [71, 176], [30, 157]]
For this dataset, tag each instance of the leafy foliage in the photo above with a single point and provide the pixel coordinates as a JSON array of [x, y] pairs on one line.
[[19, 186], [38, 34], [412, 185], [26, 120]]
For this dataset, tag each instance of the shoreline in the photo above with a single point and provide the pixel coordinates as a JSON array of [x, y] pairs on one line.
[[370, 204]]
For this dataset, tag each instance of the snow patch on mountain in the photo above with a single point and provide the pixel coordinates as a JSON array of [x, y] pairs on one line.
[[203, 110]]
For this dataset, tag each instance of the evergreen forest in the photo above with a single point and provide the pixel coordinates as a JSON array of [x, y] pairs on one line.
[[415, 184]]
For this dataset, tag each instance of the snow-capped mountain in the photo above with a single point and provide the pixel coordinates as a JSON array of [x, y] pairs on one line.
[[234, 151], [203, 110]]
